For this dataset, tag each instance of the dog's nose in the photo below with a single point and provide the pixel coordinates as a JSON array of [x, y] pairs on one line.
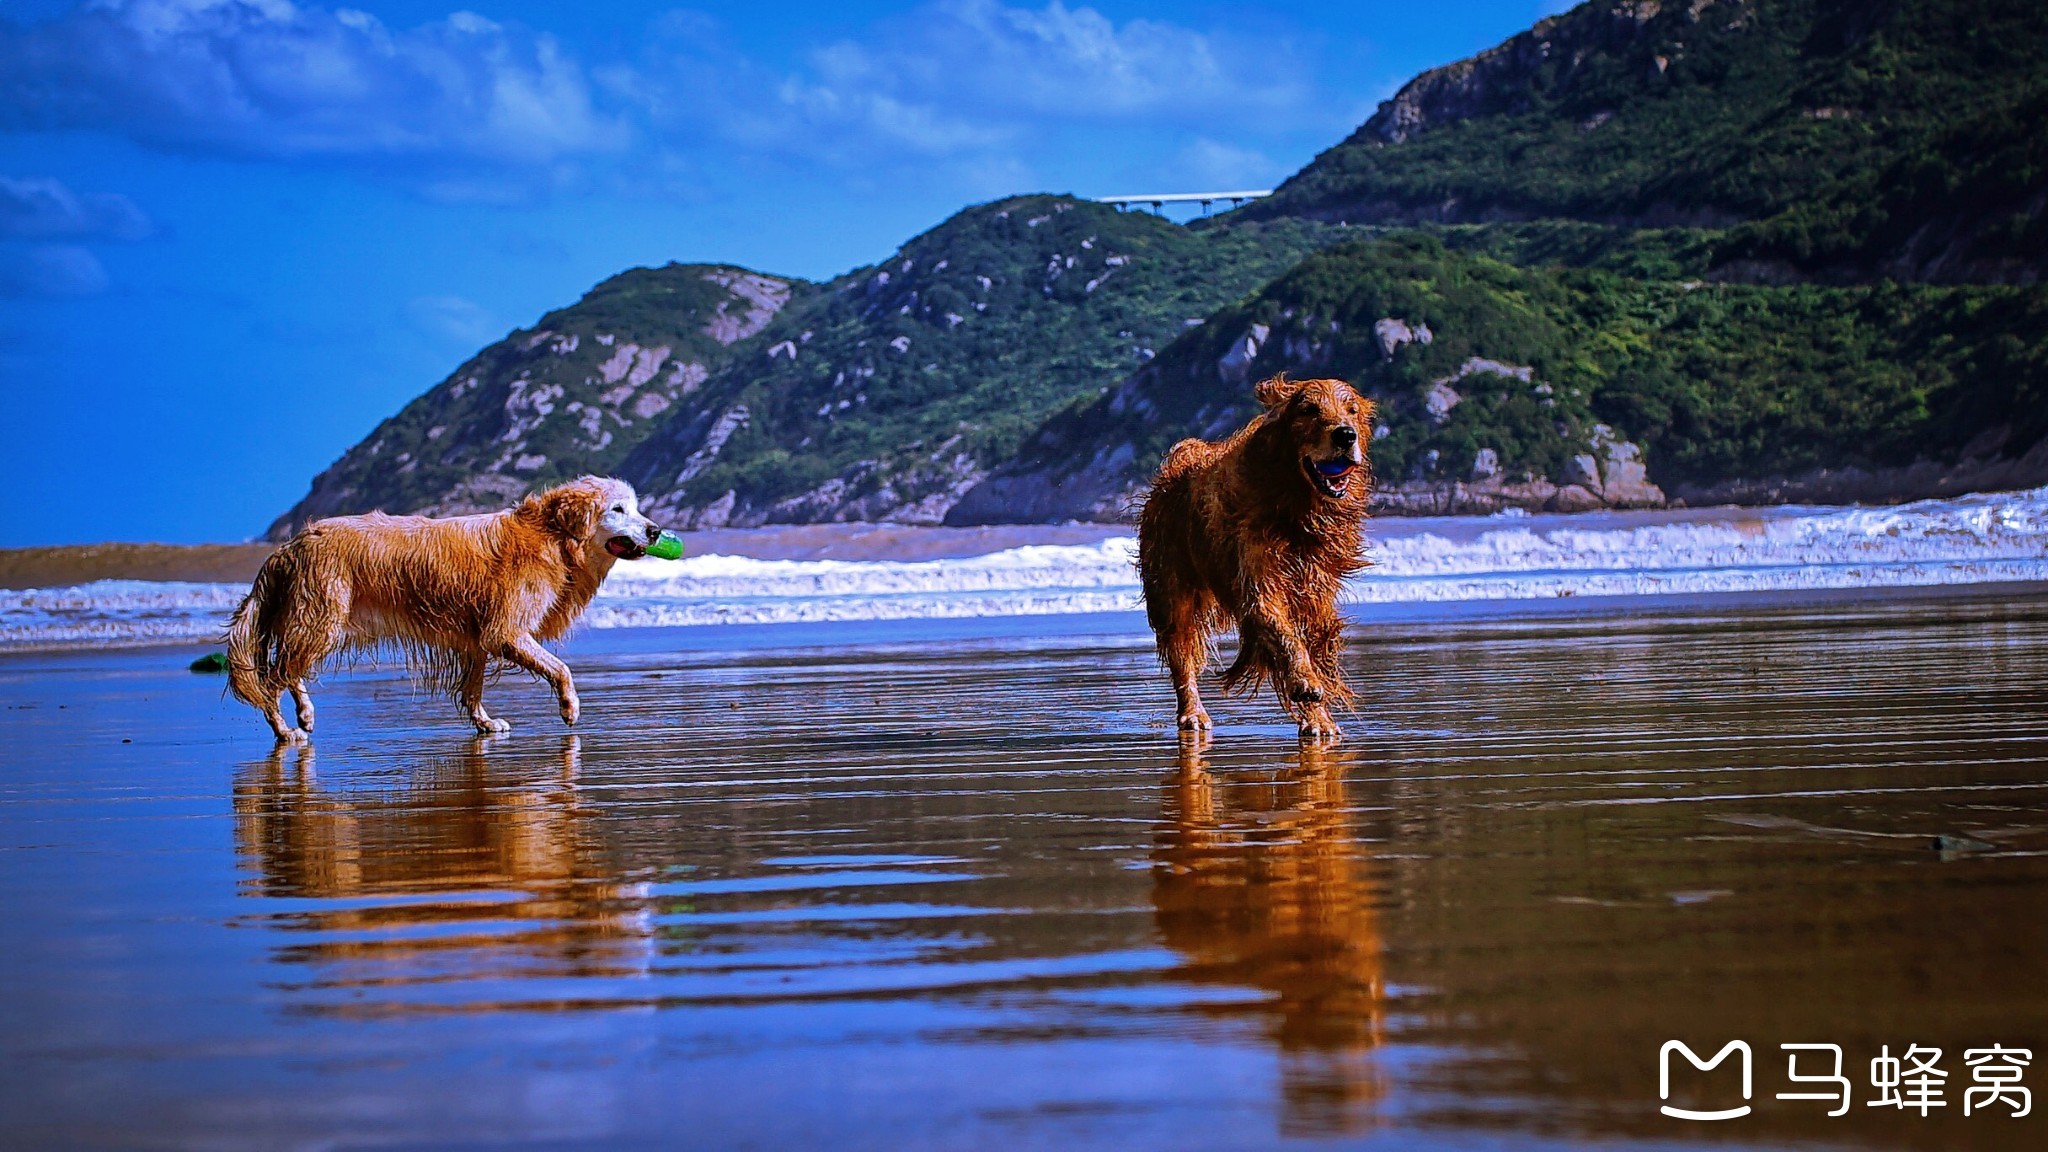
[[1344, 436], [653, 532]]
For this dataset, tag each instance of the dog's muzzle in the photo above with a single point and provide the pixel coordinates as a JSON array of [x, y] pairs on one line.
[[1331, 477], [627, 548]]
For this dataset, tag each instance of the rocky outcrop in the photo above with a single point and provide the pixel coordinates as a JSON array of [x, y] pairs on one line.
[[1983, 467], [1609, 474], [1506, 79]]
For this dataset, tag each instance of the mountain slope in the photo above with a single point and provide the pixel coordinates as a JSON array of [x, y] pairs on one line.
[[1552, 387], [1832, 139], [1715, 249], [573, 394], [892, 389]]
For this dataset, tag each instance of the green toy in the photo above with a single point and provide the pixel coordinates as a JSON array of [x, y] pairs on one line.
[[667, 546]]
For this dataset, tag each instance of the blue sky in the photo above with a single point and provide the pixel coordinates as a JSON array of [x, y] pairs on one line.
[[235, 234]]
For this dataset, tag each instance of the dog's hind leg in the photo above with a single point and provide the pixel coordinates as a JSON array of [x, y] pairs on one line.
[[1186, 649], [526, 652], [1179, 621], [274, 716], [310, 633], [302, 701], [473, 697]]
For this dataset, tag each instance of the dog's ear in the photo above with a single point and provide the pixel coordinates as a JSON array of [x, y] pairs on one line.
[[570, 514], [1276, 391]]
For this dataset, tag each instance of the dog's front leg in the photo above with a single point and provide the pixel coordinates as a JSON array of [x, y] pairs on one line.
[[473, 697], [1274, 640], [526, 652]]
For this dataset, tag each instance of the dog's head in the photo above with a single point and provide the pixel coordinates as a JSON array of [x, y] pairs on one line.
[[596, 510], [1326, 427]]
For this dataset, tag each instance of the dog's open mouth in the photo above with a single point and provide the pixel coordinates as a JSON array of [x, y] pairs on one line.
[[625, 548], [1331, 477]]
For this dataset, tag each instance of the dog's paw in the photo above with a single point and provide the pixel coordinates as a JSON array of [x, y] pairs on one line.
[[294, 736], [492, 726], [1318, 728], [1305, 693], [1196, 721], [571, 708]]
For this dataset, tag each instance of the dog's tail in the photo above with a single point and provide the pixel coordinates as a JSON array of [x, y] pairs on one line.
[[252, 631]]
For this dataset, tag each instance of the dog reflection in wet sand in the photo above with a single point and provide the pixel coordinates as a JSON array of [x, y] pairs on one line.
[[1258, 883], [462, 827]]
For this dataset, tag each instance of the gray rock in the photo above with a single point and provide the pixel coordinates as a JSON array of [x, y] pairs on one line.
[[1575, 498], [1235, 365], [1439, 400], [1393, 333]]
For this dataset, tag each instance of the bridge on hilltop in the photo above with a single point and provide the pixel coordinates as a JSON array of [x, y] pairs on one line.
[[1159, 200]]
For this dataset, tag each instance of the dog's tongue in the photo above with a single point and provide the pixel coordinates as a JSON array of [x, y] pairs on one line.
[[619, 546], [1333, 468]]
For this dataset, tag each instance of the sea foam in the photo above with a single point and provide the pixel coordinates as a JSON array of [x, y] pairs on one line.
[[1967, 540]]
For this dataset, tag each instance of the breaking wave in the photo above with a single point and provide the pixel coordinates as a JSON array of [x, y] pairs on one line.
[[1967, 540]]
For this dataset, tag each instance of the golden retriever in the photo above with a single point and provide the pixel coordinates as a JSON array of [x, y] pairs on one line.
[[451, 594], [1260, 530]]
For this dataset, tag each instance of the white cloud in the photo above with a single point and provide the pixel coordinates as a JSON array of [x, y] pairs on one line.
[[1070, 63], [40, 208], [452, 318], [964, 82], [51, 270], [269, 79], [466, 108], [1220, 167]]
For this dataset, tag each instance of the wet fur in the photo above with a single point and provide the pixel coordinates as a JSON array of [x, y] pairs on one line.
[[450, 595], [1237, 534]]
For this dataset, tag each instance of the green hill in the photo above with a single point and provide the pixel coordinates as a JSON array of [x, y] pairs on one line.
[[573, 394], [1830, 139], [1751, 250], [891, 390], [1549, 387]]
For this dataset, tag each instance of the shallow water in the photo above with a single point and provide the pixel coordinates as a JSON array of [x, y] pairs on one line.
[[957, 885]]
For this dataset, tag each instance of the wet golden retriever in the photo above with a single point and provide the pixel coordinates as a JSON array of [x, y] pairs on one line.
[[1260, 530], [451, 594]]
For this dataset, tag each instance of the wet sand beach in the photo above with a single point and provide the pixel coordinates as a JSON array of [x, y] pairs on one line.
[[952, 884]]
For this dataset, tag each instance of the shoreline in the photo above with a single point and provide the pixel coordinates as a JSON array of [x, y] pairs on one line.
[[1475, 619], [849, 574], [70, 565]]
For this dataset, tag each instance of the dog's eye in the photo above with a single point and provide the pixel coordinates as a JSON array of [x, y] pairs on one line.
[[618, 507]]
